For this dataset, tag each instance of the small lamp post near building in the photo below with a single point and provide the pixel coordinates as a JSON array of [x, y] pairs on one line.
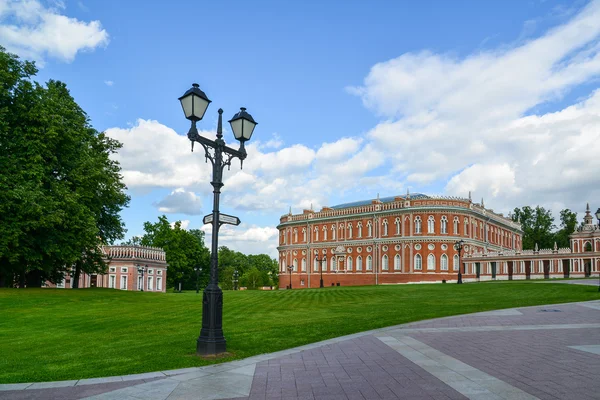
[[321, 261], [198, 269], [598, 218], [194, 103], [142, 270], [290, 269], [235, 279], [458, 246]]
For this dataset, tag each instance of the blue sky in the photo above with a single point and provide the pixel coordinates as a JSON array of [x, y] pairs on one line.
[[353, 98]]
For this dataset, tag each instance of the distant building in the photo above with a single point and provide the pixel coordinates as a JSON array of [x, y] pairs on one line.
[[123, 272], [411, 238]]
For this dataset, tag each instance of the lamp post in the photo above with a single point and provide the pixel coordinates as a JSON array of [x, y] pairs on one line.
[[290, 268], [194, 103], [235, 279], [598, 218], [458, 246], [198, 269], [321, 261], [141, 270]]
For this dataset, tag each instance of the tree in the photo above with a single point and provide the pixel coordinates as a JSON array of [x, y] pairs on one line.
[[537, 224], [568, 222], [61, 193], [183, 250]]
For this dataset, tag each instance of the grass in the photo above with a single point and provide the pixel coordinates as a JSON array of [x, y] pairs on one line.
[[57, 334]]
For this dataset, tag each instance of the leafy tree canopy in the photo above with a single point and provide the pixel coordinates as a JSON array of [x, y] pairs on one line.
[[538, 227]]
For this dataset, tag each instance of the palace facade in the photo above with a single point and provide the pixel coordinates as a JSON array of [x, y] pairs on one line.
[[411, 238], [123, 262]]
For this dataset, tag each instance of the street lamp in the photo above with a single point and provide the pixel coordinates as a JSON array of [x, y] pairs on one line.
[[598, 217], [290, 268], [235, 279], [194, 103], [141, 270], [321, 261], [458, 246], [198, 269]]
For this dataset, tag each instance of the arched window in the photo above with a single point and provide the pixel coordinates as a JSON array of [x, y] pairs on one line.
[[466, 227], [444, 224], [384, 263], [316, 234], [349, 231], [455, 263], [397, 262], [369, 263], [385, 227], [587, 246], [332, 264], [359, 226], [283, 237], [349, 263], [315, 265], [369, 229], [418, 224], [474, 229], [431, 262], [397, 223], [444, 262], [455, 230], [283, 265], [324, 233], [332, 232], [431, 224], [295, 235], [359, 263], [295, 265], [418, 262], [304, 234], [304, 265]]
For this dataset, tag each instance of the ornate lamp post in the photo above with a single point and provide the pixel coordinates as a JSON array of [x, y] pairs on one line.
[[458, 246], [321, 261], [141, 270], [235, 279], [198, 269], [598, 217], [194, 103], [290, 268]]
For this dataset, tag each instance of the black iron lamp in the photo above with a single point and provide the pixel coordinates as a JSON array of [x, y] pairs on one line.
[[141, 270], [290, 268], [321, 261], [194, 103], [458, 246]]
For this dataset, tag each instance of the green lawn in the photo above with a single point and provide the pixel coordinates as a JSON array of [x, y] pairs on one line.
[[56, 334]]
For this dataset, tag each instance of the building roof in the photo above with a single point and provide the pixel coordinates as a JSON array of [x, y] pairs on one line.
[[413, 196]]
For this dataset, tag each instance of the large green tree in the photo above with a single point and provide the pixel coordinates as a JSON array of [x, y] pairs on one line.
[[60, 192], [184, 251], [538, 227], [568, 222]]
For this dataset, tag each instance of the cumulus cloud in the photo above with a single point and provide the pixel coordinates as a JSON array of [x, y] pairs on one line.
[[109, 83], [467, 122], [248, 239], [181, 201], [34, 31]]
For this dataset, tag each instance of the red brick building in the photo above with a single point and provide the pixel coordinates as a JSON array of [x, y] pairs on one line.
[[389, 240], [123, 262]]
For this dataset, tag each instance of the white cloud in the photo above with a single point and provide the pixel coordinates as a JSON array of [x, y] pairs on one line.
[[248, 239], [109, 83], [34, 31], [185, 224], [463, 122], [181, 201]]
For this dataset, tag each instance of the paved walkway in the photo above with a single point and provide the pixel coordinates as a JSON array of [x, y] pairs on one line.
[[547, 352]]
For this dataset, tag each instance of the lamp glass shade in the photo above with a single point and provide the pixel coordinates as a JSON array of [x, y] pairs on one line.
[[598, 214], [242, 125], [194, 103]]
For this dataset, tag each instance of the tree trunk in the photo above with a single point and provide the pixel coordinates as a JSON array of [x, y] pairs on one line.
[[22, 280], [2, 279], [34, 278], [75, 279]]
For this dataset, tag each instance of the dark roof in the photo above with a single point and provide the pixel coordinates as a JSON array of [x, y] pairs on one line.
[[413, 196]]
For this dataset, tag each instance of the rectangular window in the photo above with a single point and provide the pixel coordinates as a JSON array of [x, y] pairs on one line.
[[150, 282], [112, 269], [150, 271], [159, 272], [123, 270], [124, 282], [112, 281], [140, 283], [159, 284]]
